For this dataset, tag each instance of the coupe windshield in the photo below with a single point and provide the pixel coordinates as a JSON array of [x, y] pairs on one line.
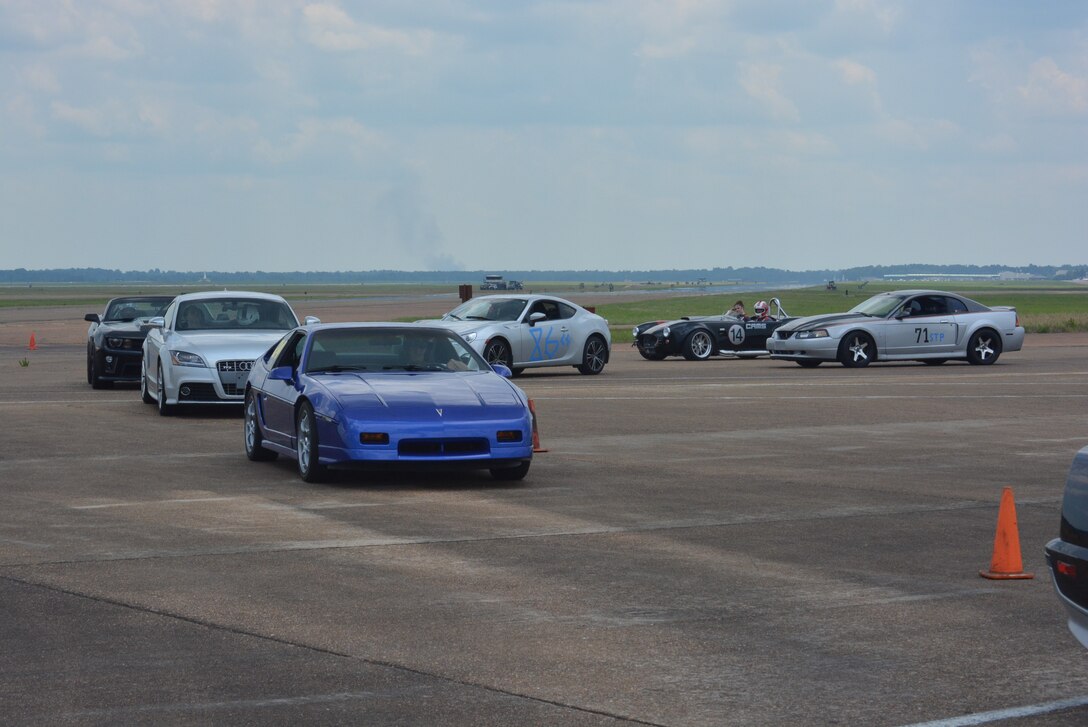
[[129, 309], [385, 349], [878, 305], [234, 314], [488, 309]]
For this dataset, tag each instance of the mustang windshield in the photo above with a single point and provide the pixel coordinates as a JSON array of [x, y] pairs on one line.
[[878, 305], [488, 309], [129, 309], [390, 349], [235, 314]]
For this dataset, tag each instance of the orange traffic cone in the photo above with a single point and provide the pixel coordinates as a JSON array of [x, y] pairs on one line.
[[33, 343], [536, 433], [1006, 563]]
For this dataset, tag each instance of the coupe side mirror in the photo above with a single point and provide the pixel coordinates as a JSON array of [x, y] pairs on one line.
[[92, 317], [311, 320], [502, 370], [281, 373], [537, 317]]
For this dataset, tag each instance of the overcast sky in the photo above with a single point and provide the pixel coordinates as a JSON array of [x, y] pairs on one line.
[[622, 134]]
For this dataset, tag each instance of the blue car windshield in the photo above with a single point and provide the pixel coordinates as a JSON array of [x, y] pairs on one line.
[[878, 305], [390, 349], [488, 309]]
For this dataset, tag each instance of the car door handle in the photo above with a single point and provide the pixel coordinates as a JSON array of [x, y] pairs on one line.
[[946, 321]]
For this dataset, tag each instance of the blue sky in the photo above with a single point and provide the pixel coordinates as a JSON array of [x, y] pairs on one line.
[[623, 134]]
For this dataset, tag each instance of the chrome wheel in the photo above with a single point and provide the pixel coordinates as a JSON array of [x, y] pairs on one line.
[[498, 351], [306, 445], [983, 348], [254, 441], [857, 351], [594, 357], [699, 346]]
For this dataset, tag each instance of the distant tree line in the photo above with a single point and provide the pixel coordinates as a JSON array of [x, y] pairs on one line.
[[757, 274]]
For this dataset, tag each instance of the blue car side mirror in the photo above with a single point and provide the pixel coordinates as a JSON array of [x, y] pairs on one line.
[[502, 370], [281, 373]]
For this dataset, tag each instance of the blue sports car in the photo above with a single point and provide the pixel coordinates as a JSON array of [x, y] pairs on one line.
[[385, 394]]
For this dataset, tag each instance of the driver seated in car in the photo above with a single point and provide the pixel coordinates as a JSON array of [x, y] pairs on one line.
[[421, 352], [763, 312]]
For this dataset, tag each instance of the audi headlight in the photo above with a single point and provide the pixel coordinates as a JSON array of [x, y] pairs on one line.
[[818, 333], [184, 358], [115, 342], [470, 337]]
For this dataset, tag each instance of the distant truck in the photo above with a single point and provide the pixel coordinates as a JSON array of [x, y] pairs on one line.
[[495, 282]]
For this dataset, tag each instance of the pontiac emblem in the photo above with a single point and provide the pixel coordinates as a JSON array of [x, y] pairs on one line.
[[439, 412]]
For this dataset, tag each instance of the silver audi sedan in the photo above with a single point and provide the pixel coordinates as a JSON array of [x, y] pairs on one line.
[[931, 326], [201, 349]]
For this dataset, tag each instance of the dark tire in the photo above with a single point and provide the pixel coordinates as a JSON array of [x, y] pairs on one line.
[[857, 350], [517, 372], [984, 347], [933, 361], [594, 356], [93, 378], [165, 409], [809, 364], [698, 346], [310, 468], [498, 351], [252, 429], [145, 395], [511, 474]]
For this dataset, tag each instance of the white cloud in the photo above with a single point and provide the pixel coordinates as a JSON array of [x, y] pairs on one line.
[[329, 28], [855, 73], [761, 82], [1050, 89], [322, 137]]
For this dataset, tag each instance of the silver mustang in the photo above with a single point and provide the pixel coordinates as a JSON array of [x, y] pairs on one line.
[[923, 325], [201, 349], [528, 331]]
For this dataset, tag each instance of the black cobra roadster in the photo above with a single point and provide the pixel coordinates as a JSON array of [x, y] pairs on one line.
[[697, 338]]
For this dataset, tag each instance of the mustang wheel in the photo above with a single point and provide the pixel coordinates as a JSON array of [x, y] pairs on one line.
[[511, 474], [254, 441], [698, 346], [984, 347], [310, 468], [144, 393], [857, 350], [93, 378], [164, 408], [498, 351], [808, 364], [594, 356]]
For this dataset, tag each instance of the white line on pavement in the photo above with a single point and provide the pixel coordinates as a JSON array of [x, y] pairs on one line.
[[999, 715]]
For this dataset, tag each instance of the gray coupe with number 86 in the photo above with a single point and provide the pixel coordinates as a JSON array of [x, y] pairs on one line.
[[904, 325]]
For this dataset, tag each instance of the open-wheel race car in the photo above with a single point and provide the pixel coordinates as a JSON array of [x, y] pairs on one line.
[[698, 338]]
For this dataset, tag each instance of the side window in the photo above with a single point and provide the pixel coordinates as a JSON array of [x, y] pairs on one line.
[[955, 305], [566, 311], [168, 316], [929, 305], [274, 352], [291, 353], [549, 308]]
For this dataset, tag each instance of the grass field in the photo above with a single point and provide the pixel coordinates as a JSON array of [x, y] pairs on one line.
[[1044, 307]]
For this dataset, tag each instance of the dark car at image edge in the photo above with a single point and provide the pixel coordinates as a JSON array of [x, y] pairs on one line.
[[1067, 555]]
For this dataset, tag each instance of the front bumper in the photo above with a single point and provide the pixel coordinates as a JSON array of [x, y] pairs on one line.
[[118, 365], [202, 385], [808, 349]]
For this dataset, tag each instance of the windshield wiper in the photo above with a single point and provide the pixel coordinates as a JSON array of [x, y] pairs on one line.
[[414, 367], [451, 315], [336, 369]]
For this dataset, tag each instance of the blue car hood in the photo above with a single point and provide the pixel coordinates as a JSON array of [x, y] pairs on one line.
[[473, 395]]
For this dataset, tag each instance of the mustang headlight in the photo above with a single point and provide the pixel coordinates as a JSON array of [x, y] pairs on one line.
[[184, 358], [470, 337], [818, 333]]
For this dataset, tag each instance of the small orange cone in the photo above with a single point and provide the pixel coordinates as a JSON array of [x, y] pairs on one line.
[[1006, 564], [536, 433], [33, 343]]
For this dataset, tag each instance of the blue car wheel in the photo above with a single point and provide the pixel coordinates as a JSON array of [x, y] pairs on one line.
[[310, 468], [254, 440]]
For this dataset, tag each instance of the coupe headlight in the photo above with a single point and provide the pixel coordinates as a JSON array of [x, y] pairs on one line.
[[818, 333], [470, 337], [184, 358], [115, 342]]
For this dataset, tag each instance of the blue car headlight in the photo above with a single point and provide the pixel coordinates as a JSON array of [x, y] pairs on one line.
[[184, 358], [817, 333]]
